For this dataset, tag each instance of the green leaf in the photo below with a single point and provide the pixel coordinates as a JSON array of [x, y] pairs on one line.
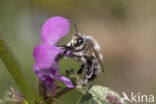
[[101, 95], [14, 69]]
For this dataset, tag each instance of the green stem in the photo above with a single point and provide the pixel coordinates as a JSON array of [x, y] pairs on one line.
[[15, 71], [63, 91]]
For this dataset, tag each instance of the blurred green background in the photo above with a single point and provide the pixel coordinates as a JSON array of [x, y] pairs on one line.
[[125, 29]]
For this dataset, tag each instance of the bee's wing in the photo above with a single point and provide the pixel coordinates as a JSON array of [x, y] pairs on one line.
[[95, 54]]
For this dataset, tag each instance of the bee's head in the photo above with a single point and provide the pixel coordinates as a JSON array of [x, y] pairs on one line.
[[77, 40]]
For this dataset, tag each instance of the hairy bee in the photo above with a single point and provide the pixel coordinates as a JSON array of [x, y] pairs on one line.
[[85, 49]]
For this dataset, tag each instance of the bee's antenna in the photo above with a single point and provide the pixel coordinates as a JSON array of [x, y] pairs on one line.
[[76, 28]]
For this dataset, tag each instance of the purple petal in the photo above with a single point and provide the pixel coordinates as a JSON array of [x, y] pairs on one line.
[[54, 29], [45, 55], [66, 81], [49, 77]]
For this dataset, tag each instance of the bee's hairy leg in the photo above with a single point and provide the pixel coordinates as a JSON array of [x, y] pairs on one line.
[[89, 71], [65, 47], [93, 77], [81, 69], [73, 55]]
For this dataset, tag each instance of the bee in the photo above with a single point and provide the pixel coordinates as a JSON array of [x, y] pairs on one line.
[[84, 48]]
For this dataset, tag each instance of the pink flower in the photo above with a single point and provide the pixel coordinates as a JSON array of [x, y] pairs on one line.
[[46, 54]]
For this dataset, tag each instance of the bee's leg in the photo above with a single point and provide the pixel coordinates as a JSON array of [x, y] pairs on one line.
[[81, 69], [89, 71], [93, 77], [75, 56], [65, 48]]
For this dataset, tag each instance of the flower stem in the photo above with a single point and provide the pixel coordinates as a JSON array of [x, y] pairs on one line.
[[63, 91], [14, 69]]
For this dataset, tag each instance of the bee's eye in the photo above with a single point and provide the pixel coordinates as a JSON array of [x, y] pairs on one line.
[[79, 42]]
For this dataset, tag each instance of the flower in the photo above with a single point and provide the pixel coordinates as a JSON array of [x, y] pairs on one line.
[[46, 54]]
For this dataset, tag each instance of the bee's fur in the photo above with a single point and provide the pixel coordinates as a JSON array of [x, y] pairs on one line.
[[84, 48]]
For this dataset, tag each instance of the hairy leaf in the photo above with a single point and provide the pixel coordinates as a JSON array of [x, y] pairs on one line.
[[101, 95]]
